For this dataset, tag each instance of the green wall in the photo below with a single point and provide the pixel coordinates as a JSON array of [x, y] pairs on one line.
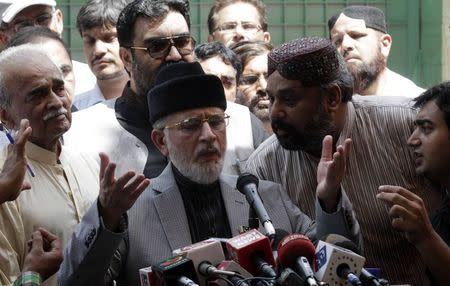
[[415, 26]]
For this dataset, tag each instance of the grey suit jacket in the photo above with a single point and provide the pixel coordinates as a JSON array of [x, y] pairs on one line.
[[157, 225]]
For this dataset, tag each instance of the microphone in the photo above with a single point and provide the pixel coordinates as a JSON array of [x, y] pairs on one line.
[[240, 273], [335, 264], [278, 237], [297, 251], [146, 275], [366, 277], [252, 251], [206, 252], [247, 184], [209, 270], [289, 278], [177, 270]]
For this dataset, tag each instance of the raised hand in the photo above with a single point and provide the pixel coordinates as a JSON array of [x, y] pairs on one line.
[[331, 171], [13, 170], [117, 195], [45, 254], [407, 212]]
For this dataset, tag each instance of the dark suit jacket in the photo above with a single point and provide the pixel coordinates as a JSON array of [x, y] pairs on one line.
[[157, 225]]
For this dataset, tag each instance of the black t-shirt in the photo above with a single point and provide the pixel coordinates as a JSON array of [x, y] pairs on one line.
[[132, 114]]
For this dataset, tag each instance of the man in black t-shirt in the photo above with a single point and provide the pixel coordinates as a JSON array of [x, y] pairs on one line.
[[431, 143]]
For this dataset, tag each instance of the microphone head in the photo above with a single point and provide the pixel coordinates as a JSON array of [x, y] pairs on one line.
[[341, 241], [168, 271], [293, 246], [245, 179], [245, 247]]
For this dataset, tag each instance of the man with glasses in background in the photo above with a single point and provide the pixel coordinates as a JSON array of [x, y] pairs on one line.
[[253, 81], [20, 14], [245, 131], [151, 34], [191, 200], [232, 21]]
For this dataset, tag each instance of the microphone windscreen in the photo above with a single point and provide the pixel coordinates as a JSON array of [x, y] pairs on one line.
[[245, 179], [341, 241], [293, 246]]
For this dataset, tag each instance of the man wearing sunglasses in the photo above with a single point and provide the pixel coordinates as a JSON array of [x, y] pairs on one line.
[[190, 201], [151, 34], [25, 13]]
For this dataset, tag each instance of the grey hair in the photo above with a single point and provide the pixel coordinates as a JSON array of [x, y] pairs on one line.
[[9, 58], [161, 122]]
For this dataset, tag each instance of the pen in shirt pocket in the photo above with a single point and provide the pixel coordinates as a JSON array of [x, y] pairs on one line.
[[11, 140]]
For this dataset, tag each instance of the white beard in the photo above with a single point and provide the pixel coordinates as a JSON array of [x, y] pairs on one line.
[[202, 173]]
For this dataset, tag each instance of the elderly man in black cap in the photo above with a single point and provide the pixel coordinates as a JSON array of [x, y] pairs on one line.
[[360, 35], [310, 91], [190, 201]]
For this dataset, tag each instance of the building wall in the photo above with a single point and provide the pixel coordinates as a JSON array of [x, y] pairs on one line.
[[446, 40]]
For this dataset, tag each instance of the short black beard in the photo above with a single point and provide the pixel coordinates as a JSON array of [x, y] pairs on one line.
[[144, 78], [365, 74], [310, 139]]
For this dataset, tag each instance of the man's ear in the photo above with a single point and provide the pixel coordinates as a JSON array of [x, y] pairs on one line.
[[127, 58], [267, 37], [58, 25], [6, 118], [210, 38], [385, 45], [333, 99], [4, 39], [159, 140]]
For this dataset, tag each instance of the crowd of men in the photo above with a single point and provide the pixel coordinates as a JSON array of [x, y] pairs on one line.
[[113, 165]]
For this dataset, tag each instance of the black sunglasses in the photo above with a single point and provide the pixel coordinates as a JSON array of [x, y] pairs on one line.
[[159, 48]]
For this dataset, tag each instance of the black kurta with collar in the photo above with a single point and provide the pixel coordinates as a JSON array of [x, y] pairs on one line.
[[132, 114], [205, 209]]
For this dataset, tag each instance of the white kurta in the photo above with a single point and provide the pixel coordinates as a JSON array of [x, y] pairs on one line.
[[61, 193]]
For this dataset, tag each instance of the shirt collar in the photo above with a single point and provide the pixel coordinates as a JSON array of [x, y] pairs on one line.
[[36, 153]]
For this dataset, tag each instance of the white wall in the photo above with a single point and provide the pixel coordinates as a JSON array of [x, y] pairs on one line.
[[446, 40]]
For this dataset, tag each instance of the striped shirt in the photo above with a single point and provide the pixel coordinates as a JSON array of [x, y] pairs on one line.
[[379, 128]]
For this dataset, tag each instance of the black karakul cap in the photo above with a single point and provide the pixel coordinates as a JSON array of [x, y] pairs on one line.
[[183, 86], [372, 16], [312, 60]]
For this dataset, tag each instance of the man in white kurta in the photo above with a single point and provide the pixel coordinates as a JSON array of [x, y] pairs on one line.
[[64, 183]]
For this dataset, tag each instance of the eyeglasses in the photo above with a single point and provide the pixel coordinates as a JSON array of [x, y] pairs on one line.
[[159, 48], [246, 26], [251, 78], [217, 122], [41, 20]]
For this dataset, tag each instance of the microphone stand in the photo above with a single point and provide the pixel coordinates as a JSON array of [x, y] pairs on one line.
[[253, 220]]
